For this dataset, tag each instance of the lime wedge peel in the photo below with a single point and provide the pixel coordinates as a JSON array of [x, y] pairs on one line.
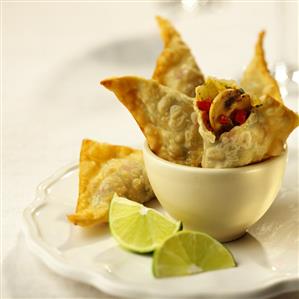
[[189, 252], [141, 229], [138, 228]]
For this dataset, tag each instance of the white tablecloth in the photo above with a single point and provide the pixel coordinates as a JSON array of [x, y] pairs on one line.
[[54, 55]]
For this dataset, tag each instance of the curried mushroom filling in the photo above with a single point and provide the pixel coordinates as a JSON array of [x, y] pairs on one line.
[[231, 107]]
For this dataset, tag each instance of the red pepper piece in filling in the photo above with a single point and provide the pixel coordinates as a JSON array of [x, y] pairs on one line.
[[240, 116], [204, 105], [205, 118], [224, 120]]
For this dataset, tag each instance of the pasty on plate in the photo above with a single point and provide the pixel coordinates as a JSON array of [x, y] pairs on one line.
[[176, 66], [237, 129], [104, 170], [257, 80], [165, 116]]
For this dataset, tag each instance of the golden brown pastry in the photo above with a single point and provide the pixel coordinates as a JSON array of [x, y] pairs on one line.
[[165, 116], [250, 130], [176, 66], [257, 80], [104, 170]]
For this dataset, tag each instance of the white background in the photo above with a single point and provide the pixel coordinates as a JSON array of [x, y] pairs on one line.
[[53, 56]]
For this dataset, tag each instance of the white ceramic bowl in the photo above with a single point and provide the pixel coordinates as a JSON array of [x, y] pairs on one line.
[[220, 202]]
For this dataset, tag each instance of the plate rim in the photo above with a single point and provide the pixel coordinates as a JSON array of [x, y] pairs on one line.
[[51, 259]]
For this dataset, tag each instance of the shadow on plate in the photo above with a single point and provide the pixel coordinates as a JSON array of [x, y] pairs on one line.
[[82, 236], [248, 247]]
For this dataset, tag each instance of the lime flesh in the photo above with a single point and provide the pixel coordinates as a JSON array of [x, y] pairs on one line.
[[137, 227], [189, 252]]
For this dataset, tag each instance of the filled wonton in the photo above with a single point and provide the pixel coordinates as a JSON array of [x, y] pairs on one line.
[[104, 170], [238, 129], [176, 66], [165, 116], [257, 80], [244, 125]]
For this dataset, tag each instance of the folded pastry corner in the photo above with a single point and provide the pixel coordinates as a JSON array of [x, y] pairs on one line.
[[257, 79], [165, 116], [103, 171], [176, 67], [238, 129]]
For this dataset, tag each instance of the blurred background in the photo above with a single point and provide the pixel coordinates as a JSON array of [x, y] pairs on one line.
[[55, 53]]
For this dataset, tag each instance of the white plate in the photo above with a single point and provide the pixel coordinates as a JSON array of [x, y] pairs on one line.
[[267, 256]]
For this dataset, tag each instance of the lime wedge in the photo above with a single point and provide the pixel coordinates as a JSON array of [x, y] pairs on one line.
[[137, 227], [188, 252]]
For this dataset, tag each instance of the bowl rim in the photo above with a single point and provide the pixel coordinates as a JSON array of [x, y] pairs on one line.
[[251, 167]]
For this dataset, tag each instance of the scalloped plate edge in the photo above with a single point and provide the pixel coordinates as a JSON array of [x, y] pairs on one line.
[[52, 259]]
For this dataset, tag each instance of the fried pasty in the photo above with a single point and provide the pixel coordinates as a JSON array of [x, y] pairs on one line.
[[257, 80], [176, 66], [250, 132], [104, 170], [165, 116]]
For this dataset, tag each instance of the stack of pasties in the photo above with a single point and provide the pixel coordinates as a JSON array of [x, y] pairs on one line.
[[234, 125], [186, 119]]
